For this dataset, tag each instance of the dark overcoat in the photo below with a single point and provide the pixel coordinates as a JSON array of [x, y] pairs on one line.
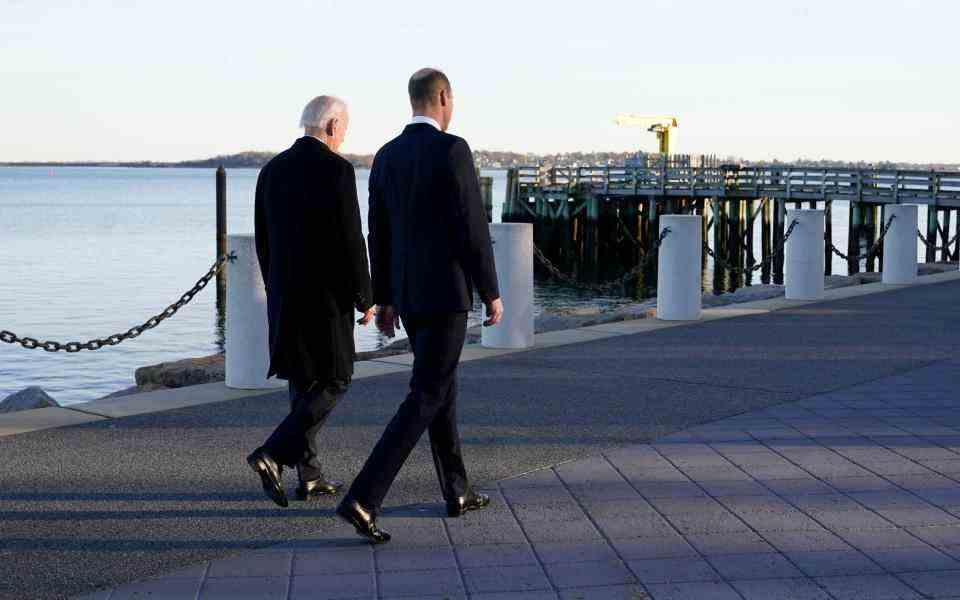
[[313, 259]]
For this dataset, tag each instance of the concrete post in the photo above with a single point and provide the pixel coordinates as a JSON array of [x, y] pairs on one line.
[[900, 245], [247, 344], [803, 261], [678, 282], [513, 252]]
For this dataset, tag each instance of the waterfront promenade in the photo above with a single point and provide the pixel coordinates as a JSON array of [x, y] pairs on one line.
[[774, 450]]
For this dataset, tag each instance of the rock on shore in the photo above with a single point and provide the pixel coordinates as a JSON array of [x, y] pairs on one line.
[[27, 399]]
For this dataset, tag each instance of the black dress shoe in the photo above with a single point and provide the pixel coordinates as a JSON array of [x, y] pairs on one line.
[[269, 471], [363, 520], [461, 504], [318, 487]]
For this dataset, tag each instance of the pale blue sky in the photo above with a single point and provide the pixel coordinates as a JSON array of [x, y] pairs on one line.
[[870, 80]]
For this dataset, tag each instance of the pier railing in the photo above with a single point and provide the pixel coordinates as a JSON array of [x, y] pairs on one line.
[[782, 182]]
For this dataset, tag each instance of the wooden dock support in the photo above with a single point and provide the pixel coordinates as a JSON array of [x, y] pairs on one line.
[[945, 236], [719, 244], [853, 243], [933, 233], [221, 242], [828, 237], [871, 230], [779, 221], [766, 241], [486, 192], [509, 211]]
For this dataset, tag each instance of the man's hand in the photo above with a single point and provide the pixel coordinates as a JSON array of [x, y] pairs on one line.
[[494, 312], [367, 316], [388, 320]]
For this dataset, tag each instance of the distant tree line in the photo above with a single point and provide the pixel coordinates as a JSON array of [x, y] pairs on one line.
[[494, 159]]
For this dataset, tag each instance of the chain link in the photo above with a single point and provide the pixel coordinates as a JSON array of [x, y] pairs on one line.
[[873, 249], [725, 263], [933, 246], [609, 286], [29, 343]]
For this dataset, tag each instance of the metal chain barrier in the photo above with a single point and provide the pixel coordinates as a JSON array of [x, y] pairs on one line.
[[725, 263], [933, 245], [609, 286], [873, 249], [30, 343]]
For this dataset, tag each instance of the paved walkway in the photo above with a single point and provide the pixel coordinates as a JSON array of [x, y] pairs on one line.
[[812, 450], [850, 494]]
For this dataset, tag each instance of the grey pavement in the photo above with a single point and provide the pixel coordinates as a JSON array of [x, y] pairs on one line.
[[806, 453]]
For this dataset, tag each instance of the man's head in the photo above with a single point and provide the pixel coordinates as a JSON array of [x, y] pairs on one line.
[[431, 96], [326, 118]]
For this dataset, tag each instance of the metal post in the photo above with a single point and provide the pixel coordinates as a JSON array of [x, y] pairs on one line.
[[221, 184]]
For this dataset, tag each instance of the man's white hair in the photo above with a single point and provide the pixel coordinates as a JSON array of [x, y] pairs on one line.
[[318, 112]]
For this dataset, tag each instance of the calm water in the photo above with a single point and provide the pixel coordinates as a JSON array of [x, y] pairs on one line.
[[87, 252]]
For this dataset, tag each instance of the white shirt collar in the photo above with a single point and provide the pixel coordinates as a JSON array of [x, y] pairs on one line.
[[427, 120]]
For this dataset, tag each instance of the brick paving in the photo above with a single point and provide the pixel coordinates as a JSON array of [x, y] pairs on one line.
[[851, 494]]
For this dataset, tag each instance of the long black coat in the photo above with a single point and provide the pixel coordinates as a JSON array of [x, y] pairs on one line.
[[313, 259], [429, 239]]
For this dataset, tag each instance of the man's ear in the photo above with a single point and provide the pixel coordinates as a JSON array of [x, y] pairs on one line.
[[443, 97], [332, 126]]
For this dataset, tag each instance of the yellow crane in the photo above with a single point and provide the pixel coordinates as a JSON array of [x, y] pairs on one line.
[[659, 124]]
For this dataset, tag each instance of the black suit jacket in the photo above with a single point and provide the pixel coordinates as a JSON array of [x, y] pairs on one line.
[[429, 240], [313, 259]]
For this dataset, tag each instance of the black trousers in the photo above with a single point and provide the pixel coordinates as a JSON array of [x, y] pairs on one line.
[[431, 405], [294, 442]]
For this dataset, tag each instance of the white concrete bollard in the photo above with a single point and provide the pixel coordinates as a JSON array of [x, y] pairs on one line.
[[246, 330], [803, 256], [513, 252], [900, 244], [678, 277]]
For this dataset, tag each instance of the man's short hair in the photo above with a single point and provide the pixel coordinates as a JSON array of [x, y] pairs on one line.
[[425, 84], [318, 112]]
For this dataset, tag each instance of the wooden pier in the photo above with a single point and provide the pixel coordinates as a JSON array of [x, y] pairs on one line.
[[598, 222]]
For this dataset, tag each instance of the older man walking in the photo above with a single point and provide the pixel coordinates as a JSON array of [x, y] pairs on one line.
[[430, 248], [314, 263]]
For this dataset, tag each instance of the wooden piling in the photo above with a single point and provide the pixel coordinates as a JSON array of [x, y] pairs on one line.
[[945, 235], [765, 238], [871, 231], [591, 240], [630, 252], [933, 226], [828, 237], [486, 192], [956, 246], [748, 225], [509, 210], [221, 241], [719, 246], [779, 219], [651, 234], [853, 243]]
